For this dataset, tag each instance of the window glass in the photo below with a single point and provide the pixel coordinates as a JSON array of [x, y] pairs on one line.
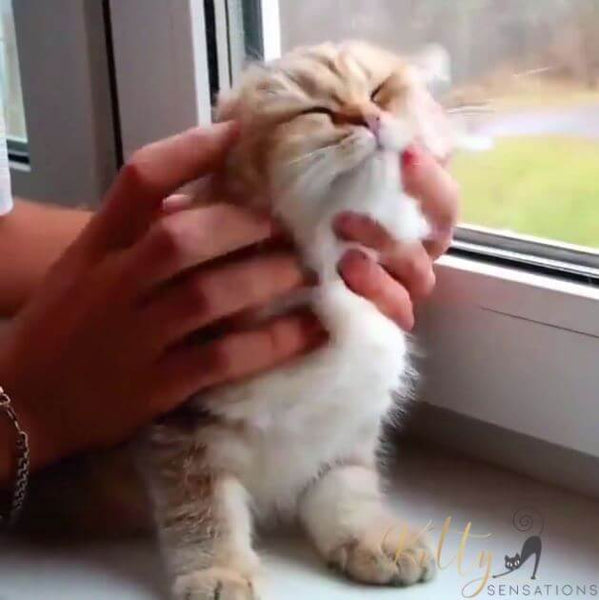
[[524, 93], [10, 80]]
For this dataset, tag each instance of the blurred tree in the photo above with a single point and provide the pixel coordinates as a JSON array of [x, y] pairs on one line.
[[482, 36]]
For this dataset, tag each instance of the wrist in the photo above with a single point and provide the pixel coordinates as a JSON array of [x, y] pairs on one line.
[[23, 402], [21, 459]]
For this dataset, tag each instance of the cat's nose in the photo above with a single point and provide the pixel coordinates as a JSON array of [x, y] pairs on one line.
[[374, 124]]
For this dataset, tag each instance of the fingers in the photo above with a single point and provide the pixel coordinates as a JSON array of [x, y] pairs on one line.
[[218, 292], [176, 203], [188, 238], [409, 263], [439, 194], [190, 369], [370, 280], [151, 174], [357, 227]]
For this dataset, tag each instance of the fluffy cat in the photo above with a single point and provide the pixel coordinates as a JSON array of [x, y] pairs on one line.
[[322, 130]]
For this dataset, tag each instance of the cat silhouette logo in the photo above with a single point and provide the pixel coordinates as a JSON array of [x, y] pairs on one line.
[[526, 520]]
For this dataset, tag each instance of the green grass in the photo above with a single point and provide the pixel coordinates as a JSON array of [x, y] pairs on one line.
[[541, 186]]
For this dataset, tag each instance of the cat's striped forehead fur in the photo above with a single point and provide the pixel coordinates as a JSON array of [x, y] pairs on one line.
[[315, 97], [340, 77]]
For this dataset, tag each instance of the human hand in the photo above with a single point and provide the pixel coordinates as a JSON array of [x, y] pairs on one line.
[[104, 347], [405, 271]]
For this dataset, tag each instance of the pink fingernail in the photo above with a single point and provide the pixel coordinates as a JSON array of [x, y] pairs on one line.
[[352, 259], [345, 219], [409, 158], [355, 254], [442, 232]]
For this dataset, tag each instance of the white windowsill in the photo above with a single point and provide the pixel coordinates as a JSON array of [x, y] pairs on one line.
[[428, 487]]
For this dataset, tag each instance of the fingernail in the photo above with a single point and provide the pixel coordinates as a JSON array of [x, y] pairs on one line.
[[353, 258], [409, 158], [442, 231], [345, 222]]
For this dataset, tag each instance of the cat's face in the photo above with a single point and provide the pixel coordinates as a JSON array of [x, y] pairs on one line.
[[320, 111], [512, 562]]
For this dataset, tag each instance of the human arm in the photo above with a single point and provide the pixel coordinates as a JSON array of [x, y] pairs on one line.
[[32, 237]]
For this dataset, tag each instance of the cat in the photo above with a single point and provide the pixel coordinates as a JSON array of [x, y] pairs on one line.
[[524, 520], [533, 546], [321, 131]]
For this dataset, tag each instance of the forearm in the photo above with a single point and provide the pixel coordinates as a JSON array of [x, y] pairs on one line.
[[32, 237]]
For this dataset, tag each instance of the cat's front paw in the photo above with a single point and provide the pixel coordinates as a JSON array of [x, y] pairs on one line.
[[214, 584], [411, 553], [394, 560]]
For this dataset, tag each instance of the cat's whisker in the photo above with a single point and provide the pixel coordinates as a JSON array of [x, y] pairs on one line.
[[310, 180], [308, 156]]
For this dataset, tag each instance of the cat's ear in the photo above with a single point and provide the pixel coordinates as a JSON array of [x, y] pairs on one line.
[[433, 64], [507, 558]]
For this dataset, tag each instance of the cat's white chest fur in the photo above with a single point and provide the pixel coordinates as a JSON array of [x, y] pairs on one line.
[[322, 409], [327, 407]]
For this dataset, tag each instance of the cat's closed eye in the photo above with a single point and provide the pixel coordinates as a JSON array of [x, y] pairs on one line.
[[319, 110], [377, 91]]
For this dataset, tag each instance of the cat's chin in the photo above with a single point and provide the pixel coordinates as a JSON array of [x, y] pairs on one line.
[[395, 135]]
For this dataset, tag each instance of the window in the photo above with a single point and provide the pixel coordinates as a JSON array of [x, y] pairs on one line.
[[10, 83], [58, 99], [525, 98], [531, 81]]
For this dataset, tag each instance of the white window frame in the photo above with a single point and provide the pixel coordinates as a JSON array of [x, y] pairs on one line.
[[538, 379], [161, 68], [68, 111]]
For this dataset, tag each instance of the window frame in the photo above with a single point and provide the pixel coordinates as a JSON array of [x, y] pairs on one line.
[[164, 45], [542, 255], [70, 156]]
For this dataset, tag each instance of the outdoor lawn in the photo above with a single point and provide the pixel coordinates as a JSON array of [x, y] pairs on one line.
[[546, 186]]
